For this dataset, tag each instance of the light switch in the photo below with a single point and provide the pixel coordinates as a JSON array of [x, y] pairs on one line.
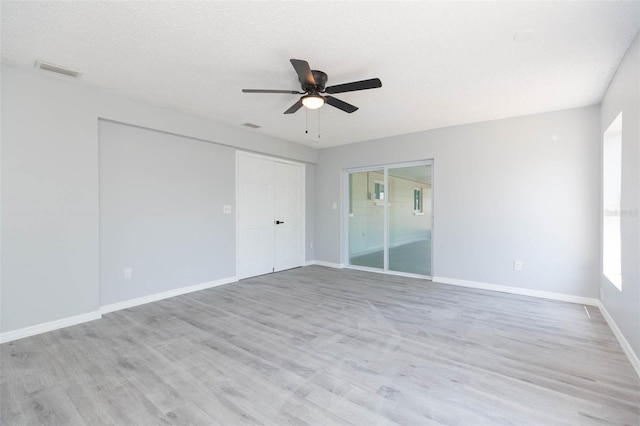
[[226, 209], [335, 205]]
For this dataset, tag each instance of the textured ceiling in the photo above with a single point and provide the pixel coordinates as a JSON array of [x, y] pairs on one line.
[[441, 63]]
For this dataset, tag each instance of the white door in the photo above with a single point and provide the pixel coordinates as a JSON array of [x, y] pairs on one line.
[[270, 215], [288, 216]]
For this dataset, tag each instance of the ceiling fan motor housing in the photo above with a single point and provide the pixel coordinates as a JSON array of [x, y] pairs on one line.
[[321, 80]]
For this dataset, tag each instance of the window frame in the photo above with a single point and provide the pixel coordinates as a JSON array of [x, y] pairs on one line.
[[378, 184], [612, 202], [418, 201]]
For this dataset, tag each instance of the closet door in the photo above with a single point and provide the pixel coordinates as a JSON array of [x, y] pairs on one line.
[[289, 245], [270, 215], [256, 205]]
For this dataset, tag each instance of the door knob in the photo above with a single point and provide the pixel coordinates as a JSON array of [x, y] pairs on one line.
[[278, 222]]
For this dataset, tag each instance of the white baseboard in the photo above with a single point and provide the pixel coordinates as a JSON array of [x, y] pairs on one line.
[[323, 263], [164, 295], [626, 347], [78, 319], [590, 301], [48, 326]]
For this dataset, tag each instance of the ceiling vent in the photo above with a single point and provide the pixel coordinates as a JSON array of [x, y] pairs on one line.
[[251, 125], [45, 66]]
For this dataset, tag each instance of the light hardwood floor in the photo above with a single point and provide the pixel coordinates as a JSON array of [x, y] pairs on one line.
[[321, 346]]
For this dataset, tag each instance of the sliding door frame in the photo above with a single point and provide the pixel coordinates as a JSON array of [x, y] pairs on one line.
[[346, 215]]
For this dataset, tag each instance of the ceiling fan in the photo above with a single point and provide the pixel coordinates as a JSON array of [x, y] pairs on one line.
[[313, 84]]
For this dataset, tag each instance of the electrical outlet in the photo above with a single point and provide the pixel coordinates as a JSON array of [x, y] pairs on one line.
[[517, 265], [127, 273], [310, 245], [335, 205], [226, 209]]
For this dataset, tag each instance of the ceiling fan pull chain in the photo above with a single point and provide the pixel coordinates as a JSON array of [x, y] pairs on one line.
[[306, 121]]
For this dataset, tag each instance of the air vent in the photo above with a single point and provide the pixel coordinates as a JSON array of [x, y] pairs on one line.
[[45, 66], [251, 125]]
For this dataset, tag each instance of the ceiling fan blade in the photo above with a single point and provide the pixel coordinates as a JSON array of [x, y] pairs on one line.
[[334, 102], [372, 83], [294, 107], [291, 92], [304, 72]]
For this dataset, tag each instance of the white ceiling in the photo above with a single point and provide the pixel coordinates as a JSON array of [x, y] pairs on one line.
[[441, 63]]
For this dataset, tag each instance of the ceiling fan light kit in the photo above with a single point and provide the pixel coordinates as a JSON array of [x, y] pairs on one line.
[[313, 84], [312, 101]]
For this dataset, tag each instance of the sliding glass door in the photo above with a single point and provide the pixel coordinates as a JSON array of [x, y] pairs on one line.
[[390, 218], [410, 219]]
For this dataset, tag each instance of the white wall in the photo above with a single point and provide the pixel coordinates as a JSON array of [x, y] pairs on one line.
[[309, 194], [522, 188], [161, 212], [49, 202], [623, 95], [50, 188]]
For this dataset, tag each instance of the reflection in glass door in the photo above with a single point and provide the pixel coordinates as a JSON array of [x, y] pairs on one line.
[[409, 241], [390, 218], [366, 218]]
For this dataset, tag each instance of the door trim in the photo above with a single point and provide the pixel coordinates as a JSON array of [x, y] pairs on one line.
[[303, 169]]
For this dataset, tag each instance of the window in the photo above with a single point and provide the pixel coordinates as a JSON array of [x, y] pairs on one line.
[[378, 189], [611, 197], [417, 200]]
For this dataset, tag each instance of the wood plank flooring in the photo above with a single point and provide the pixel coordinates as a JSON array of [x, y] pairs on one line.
[[322, 346]]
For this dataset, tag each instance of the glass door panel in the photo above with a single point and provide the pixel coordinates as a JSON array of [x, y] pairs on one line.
[[409, 239], [367, 196]]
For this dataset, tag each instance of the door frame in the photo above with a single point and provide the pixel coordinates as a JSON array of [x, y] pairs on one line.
[[344, 246], [303, 174]]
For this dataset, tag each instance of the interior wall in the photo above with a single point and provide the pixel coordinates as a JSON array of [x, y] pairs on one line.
[[309, 201], [161, 212], [516, 189], [49, 202], [49, 178], [623, 95]]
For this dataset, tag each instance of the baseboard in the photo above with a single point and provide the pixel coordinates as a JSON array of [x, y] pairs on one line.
[[21, 333], [589, 301], [125, 304], [79, 319], [323, 263], [626, 347]]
